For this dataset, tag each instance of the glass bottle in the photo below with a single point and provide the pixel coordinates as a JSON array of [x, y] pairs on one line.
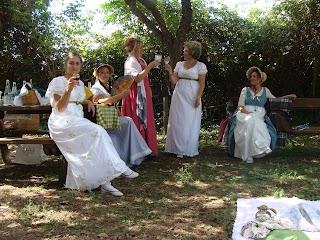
[[89, 85], [14, 88], [7, 89]]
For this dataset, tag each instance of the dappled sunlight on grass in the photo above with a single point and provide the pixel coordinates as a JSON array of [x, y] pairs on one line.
[[190, 198]]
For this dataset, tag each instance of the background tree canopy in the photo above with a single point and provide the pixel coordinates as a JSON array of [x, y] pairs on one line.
[[284, 42]]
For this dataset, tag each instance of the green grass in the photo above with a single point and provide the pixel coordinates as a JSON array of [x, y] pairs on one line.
[[189, 198]]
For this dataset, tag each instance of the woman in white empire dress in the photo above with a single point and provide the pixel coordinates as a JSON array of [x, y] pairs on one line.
[[185, 111], [128, 141], [92, 159]]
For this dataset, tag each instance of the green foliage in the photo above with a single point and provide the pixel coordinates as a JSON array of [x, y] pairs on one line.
[[284, 42], [25, 29], [184, 176]]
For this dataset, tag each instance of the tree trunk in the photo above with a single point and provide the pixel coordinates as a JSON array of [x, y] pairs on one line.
[[315, 73], [165, 114], [173, 41]]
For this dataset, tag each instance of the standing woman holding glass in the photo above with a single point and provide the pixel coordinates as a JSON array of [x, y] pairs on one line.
[[185, 111], [138, 104], [92, 159]]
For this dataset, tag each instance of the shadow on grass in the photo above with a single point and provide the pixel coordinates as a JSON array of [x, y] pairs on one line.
[[189, 198]]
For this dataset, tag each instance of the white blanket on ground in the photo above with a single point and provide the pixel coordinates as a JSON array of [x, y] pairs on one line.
[[247, 208]]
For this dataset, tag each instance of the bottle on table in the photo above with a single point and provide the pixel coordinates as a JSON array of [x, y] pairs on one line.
[[7, 89], [14, 88]]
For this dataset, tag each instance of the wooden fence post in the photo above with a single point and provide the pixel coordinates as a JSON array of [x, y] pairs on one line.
[[165, 113]]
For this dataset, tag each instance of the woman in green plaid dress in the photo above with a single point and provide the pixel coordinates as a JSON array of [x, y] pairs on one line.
[[127, 140]]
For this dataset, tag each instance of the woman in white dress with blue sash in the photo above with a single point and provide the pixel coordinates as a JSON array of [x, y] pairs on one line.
[[185, 110], [128, 142], [92, 159], [251, 134]]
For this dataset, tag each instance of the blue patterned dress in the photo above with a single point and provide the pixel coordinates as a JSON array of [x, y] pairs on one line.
[[252, 135]]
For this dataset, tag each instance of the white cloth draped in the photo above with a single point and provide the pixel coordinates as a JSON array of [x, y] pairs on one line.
[[133, 67], [87, 147], [287, 208]]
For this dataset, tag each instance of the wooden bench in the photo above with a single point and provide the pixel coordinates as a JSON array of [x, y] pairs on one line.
[[29, 137], [305, 104], [49, 148]]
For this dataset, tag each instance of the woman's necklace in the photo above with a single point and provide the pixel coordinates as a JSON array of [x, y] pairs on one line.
[[255, 90]]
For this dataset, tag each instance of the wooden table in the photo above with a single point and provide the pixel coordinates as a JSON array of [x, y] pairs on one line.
[[16, 136]]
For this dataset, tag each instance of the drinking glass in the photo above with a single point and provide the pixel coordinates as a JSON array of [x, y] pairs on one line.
[[77, 78], [158, 58], [166, 59]]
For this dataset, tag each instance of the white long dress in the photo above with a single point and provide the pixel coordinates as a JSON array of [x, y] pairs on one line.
[[87, 147], [128, 142], [184, 119], [252, 138]]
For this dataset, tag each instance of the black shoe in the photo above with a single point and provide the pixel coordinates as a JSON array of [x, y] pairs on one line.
[[151, 156]]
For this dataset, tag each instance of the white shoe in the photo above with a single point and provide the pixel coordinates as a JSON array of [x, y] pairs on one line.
[[130, 174], [268, 151], [179, 156], [110, 189], [249, 160]]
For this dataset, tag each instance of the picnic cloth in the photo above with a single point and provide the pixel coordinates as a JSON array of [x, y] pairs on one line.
[[107, 116], [247, 208]]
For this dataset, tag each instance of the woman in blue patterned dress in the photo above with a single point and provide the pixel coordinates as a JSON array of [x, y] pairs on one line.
[[252, 135]]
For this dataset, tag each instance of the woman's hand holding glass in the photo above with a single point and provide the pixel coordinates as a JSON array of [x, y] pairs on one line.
[[154, 64], [73, 82], [166, 60], [158, 58], [168, 68]]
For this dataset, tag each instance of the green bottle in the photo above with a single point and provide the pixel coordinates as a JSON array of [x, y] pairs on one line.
[[7, 89]]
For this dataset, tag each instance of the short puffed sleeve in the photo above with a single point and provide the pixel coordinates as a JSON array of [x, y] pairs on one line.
[[269, 94], [202, 68], [57, 86], [178, 66], [132, 66], [97, 91], [242, 97]]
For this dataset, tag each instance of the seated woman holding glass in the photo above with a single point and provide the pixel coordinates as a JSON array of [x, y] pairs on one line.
[[92, 159], [251, 134], [127, 140]]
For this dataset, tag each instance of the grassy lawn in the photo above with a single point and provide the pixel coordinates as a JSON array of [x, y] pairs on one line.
[[189, 198]]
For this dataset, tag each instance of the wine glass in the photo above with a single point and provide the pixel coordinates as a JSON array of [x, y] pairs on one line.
[[77, 78], [158, 58], [166, 59]]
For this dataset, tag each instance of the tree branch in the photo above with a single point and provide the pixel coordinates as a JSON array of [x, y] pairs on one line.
[[157, 15], [133, 8], [185, 22]]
